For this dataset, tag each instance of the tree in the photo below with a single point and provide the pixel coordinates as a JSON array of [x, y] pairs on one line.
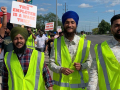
[[95, 31], [50, 17], [40, 22], [103, 27]]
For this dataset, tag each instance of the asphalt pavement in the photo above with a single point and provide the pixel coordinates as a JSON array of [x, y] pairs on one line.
[[96, 39]]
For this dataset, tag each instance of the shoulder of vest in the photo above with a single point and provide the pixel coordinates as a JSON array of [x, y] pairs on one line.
[[102, 43], [87, 40], [58, 39], [10, 51], [35, 50]]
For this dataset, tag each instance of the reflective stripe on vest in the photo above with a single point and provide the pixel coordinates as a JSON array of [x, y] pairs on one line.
[[100, 56], [30, 46], [59, 83], [37, 70], [30, 42], [8, 61]]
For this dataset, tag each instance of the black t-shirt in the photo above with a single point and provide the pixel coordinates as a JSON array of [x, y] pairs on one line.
[[49, 45], [7, 44]]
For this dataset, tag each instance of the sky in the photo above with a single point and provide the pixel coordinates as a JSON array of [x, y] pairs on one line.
[[90, 12]]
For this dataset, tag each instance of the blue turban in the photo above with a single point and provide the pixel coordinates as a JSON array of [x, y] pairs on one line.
[[70, 14]]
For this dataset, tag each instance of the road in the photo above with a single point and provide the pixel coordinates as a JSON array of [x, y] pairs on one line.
[[95, 39]]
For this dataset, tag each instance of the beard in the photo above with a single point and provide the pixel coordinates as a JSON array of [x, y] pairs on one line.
[[19, 50], [116, 35], [66, 32]]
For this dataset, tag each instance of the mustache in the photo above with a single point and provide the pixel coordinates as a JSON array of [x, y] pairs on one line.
[[69, 28], [118, 31], [18, 43]]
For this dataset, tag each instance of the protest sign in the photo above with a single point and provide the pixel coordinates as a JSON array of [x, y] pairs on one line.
[[25, 1], [49, 26], [23, 14], [59, 29]]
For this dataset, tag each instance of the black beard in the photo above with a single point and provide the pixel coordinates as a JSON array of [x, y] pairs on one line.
[[19, 50], [117, 36], [65, 31]]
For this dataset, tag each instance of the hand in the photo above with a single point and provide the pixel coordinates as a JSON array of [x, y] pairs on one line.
[[4, 9], [50, 88], [45, 51], [77, 66], [67, 71]]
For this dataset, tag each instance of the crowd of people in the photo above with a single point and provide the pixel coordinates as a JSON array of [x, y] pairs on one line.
[[22, 57]]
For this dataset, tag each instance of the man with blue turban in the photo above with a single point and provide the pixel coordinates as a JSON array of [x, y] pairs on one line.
[[70, 57]]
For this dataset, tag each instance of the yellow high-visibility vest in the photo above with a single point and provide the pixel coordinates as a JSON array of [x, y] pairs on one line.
[[78, 80], [108, 67], [48, 36], [30, 42], [33, 80], [83, 36]]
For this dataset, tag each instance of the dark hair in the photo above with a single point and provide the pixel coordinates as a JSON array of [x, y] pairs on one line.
[[115, 17], [52, 35], [9, 26], [82, 31]]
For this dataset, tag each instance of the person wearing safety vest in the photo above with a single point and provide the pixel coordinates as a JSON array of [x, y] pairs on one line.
[[34, 31], [30, 41], [24, 68], [83, 35], [70, 57], [106, 68], [49, 33]]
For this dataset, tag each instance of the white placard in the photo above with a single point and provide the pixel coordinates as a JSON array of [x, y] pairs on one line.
[[59, 29], [49, 26], [23, 14]]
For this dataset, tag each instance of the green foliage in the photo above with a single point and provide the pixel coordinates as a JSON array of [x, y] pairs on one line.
[[50, 17], [103, 27], [95, 31]]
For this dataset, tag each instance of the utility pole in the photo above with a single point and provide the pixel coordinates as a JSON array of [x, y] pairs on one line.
[[85, 28], [89, 27], [114, 12], [98, 20], [98, 23], [65, 8], [56, 16]]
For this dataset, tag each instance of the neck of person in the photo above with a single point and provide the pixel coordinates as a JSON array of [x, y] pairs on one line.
[[69, 36], [8, 34]]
